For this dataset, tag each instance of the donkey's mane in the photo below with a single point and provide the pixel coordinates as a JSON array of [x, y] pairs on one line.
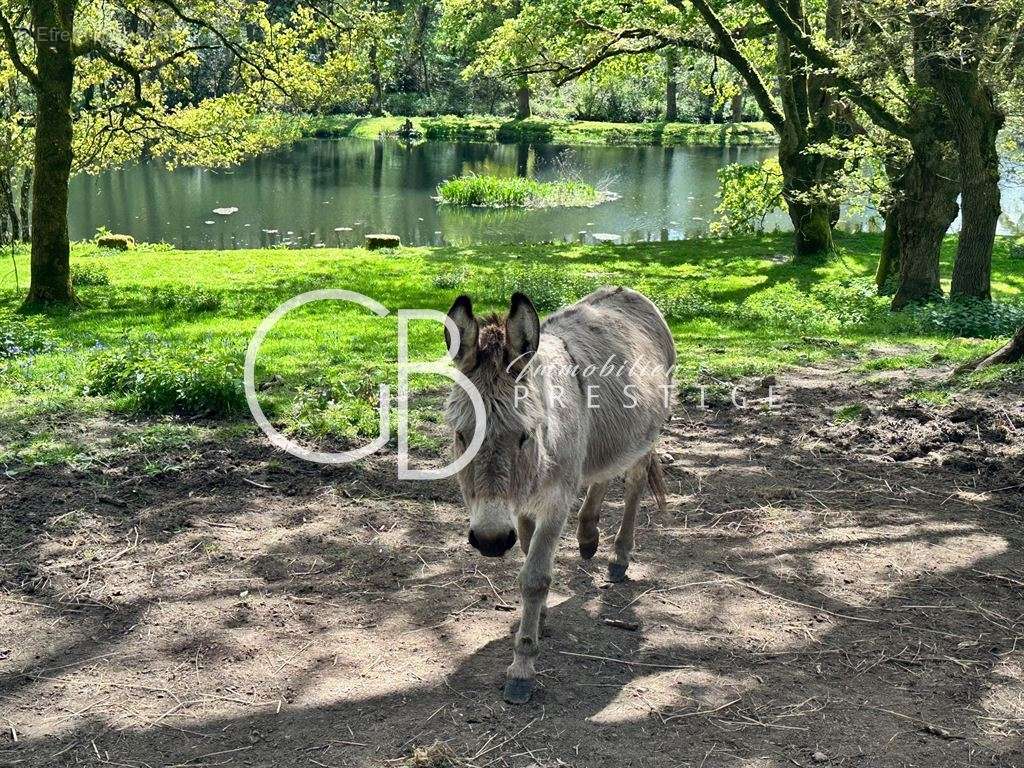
[[491, 341]]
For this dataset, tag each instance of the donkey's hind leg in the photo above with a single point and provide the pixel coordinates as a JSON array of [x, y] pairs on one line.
[[587, 532], [635, 485], [526, 528]]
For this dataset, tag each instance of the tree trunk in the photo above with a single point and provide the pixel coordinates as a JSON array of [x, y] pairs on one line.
[[1010, 352], [888, 272], [812, 224], [522, 97], [807, 105], [925, 207], [522, 80], [976, 120], [973, 120], [736, 108], [26, 206], [671, 85], [53, 21], [8, 211], [377, 80]]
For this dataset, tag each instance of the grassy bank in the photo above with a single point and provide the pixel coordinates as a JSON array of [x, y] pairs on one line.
[[539, 131], [163, 332]]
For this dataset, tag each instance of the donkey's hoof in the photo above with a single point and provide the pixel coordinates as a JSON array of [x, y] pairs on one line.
[[518, 690], [588, 549], [617, 573]]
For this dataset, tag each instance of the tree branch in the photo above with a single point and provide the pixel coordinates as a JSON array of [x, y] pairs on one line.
[[114, 58], [237, 50], [743, 65], [793, 32], [12, 49]]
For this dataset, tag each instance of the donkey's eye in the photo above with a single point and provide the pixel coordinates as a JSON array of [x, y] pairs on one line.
[[523, 438]]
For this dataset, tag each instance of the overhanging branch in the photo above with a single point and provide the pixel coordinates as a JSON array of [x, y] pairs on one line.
[[793, 32], [11, 43], [743, 65]]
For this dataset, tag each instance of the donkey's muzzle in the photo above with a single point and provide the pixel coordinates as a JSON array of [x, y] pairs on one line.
[[492, 546]]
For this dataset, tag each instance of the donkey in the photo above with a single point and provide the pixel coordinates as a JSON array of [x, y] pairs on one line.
[[569, 404]]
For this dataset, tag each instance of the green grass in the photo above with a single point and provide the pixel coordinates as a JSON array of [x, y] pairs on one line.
[[541, 131], [734, 307], [517, 192]]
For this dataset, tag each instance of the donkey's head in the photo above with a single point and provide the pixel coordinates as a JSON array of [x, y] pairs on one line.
[[494, 353]]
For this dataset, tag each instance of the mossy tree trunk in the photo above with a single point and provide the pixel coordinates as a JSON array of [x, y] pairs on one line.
[[976, 120], [887, 273], [951, 64], [808, 105], [924, 208], [53, 23]]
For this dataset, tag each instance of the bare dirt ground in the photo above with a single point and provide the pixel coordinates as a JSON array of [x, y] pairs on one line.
[[821, 592]]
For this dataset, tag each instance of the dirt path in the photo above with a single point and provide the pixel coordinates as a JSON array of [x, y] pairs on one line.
[[821, 592]]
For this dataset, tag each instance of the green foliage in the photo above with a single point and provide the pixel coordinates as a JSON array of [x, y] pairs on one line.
[[24, 335], [89, 274], [517, 192], [748, 194], [972, 317], [152, 376], [548, 287], [451, 278]]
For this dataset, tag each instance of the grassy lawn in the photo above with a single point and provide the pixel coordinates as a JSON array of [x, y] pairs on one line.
[[163, 332], [540, 131]]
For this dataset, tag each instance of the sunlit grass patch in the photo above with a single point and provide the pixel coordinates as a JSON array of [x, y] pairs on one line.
[[518, 192], [734, 310]]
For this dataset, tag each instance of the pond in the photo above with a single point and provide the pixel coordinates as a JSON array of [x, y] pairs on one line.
[[333, 191], [311, 189]]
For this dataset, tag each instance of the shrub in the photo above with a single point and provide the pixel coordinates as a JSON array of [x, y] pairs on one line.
[[748, 194], [154, 377], [187, 300], [20, 335], [972, 317], [517, 192], [89, 274]]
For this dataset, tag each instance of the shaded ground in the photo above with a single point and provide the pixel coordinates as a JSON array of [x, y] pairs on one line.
[[837, 582]]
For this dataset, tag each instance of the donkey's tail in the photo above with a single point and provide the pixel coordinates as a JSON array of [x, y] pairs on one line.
[[656, 479]]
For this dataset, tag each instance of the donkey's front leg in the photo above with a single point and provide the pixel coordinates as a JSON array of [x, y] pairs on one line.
[[534, 580]]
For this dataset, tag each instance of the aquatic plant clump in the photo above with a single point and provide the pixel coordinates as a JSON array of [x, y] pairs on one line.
[[517, 192]]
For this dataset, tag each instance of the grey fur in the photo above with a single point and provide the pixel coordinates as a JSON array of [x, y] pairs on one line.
[[593, 393]]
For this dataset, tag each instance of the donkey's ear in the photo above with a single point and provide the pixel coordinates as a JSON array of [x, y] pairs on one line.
[[522, 330], [461, 313]]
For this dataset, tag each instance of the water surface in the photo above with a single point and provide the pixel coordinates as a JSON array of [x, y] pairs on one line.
[[309, 191], [333, 191]]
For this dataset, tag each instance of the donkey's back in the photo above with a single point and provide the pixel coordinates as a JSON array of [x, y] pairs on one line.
[[623, 355]]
